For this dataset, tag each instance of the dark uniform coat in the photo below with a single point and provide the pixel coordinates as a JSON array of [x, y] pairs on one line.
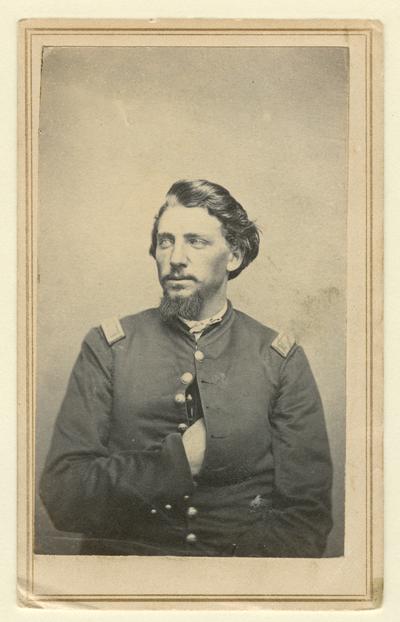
[[117, 471]]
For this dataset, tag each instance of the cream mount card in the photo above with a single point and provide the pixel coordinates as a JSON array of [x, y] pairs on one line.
[[288, 116]]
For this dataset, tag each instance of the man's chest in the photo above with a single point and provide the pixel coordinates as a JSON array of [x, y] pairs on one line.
[[154, 389]]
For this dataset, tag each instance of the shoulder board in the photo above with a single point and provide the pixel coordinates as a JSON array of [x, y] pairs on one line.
[[283, 343], [112, 330]]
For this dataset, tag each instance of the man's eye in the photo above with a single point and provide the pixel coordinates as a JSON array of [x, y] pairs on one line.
[[164, 243], [197, 242]]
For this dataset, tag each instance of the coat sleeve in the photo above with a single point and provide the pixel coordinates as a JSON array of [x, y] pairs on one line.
[[299, 521], [85, 487]]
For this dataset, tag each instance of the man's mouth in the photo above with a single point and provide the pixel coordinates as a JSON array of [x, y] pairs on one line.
[[175, 279]]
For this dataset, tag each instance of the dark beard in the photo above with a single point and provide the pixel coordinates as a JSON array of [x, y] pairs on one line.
[[188, 307]]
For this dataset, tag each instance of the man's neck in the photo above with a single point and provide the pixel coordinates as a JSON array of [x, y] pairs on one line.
[[217, 315], [208, 311], [213, 305]]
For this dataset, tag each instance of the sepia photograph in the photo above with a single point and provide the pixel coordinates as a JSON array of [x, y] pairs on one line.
[[198, 259]]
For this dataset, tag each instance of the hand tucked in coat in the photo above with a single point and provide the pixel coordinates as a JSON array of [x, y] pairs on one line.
[[194, 443]]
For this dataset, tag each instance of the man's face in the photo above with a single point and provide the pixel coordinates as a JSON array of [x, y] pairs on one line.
[[192, 254]]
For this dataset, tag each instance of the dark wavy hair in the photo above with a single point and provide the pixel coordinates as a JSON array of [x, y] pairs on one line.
[[239, 231]]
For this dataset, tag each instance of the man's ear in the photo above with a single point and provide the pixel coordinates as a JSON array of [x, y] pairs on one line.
[[235, 259]]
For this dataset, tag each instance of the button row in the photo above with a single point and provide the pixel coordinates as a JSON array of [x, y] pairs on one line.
[[168, 506], [187, 377], [191, 538], [180, 398], [191, 511]]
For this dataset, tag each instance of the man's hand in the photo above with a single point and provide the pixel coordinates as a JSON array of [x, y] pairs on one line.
[[194, 442]]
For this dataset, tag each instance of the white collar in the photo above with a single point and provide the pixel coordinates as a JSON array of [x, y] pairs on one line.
[[197, 326]]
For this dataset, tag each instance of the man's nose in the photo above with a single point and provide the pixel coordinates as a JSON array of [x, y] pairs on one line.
[[178, 255]]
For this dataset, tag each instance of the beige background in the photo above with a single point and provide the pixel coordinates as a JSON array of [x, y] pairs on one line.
[[118, 126]]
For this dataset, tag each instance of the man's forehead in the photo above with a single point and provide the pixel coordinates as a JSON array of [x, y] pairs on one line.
[[180, 219]]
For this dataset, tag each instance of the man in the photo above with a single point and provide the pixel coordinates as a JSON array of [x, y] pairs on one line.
[[192, 429]]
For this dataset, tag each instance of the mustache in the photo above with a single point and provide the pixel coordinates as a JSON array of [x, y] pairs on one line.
[[178, 277]]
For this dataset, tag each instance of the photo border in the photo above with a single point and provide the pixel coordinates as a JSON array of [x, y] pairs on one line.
[[29, 30]]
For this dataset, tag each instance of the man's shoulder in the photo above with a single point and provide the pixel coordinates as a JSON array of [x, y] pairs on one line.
[[115, 329], [145, 317], [255, 326], [280, 342]]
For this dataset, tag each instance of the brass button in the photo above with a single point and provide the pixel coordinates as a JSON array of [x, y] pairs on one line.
[[182, 427], [186, 497], [187, 377], [180, 398], [153, 511], [191, 512], [191, 538], [199, 356], [168, 506]]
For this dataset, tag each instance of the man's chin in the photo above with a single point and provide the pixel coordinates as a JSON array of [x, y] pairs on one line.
[[180, 294], [180, 304]]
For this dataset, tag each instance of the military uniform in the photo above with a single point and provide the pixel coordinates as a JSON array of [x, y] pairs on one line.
[[117, 471]]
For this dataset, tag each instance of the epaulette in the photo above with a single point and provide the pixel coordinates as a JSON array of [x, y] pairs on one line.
[[112, 330], [283, 343]]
